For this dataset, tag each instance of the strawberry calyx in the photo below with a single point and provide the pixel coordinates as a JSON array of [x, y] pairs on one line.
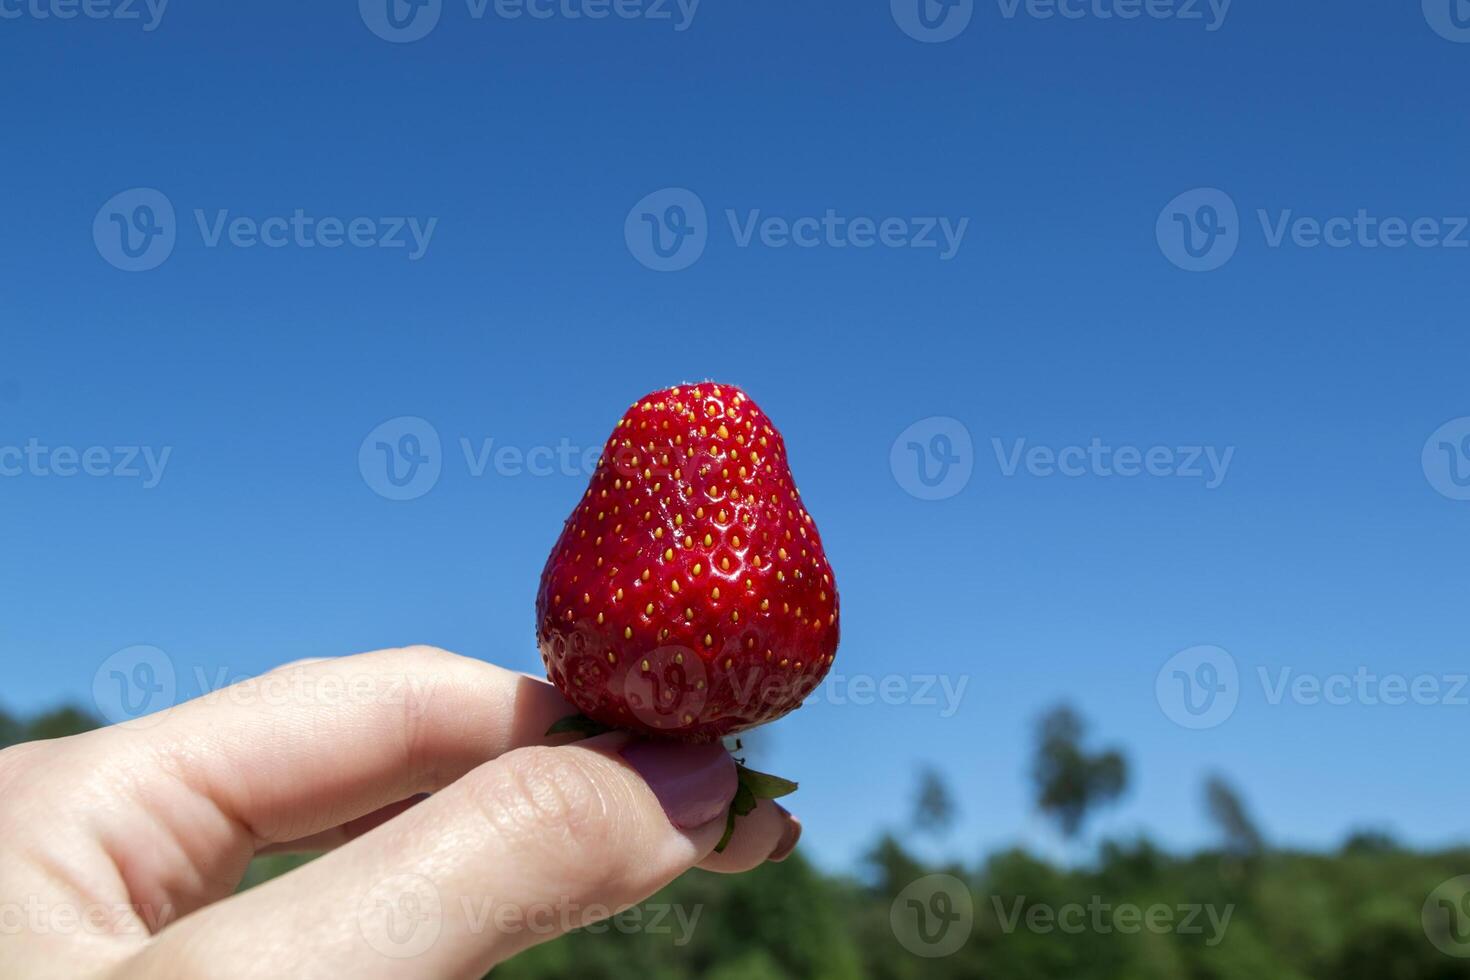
[[752, 786]]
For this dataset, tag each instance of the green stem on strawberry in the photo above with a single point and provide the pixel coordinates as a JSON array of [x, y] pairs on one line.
[[751, 786]]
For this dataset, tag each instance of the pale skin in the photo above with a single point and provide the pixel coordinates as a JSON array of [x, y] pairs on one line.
[[120, 849]]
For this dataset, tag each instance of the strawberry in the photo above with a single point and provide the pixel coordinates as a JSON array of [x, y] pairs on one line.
[[689, 595]]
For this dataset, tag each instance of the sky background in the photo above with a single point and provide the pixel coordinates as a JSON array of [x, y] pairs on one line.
[[530, 320]]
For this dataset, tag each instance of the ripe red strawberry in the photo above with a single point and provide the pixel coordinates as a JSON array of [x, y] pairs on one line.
[[689, 595]]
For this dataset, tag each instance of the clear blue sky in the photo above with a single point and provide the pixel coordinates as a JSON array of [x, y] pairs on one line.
[[529, 320]]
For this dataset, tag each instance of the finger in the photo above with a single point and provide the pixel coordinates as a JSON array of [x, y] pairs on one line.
[[307, 748], [524, 848], [351, 830], [767, 833]]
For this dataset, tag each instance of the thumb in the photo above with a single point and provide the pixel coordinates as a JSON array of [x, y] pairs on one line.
[[522, 849]]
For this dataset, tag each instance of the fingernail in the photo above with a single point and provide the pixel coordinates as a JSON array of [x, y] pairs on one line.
[[694, 783], [788, 840]]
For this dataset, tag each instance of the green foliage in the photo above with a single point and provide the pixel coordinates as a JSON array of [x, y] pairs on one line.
[[780, 921], [1369, 842], [263, 869], [61, 722], [56, 723], [11, 729], [1297, 917]]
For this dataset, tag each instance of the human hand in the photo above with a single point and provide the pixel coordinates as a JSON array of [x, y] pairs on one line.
[[121, 848]]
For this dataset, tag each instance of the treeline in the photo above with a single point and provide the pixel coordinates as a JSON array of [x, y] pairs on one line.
[[1131, 911], [1353, 915], [1242, 910]]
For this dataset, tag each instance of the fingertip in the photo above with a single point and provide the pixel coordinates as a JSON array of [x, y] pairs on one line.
[[789, 838], [758, 835], [693, 783]]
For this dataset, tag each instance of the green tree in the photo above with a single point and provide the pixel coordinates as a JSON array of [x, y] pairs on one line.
[[1072, 782], [1240, 837], [1370, 841], [11, 730], [61, 722], [934, 806]]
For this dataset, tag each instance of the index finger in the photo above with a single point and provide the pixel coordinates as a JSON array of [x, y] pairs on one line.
[[311, 746]]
